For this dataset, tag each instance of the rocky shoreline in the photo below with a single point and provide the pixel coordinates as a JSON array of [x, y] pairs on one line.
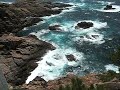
[[24, 13], [18, 55]]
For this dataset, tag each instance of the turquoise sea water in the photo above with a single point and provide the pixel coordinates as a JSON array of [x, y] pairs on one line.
[[92, 54], [7, 1]]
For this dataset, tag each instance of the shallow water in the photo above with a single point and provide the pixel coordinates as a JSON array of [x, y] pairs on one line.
[[91, 53]]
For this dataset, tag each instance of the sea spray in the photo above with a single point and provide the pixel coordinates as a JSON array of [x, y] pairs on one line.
[[53, 64]]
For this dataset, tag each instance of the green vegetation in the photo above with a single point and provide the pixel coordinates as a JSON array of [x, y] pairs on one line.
[[110, 75], [77, 84]]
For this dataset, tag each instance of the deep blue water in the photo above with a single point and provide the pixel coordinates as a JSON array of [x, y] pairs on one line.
[[92, 54]]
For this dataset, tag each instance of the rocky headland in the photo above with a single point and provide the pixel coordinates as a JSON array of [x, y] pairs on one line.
[[18, 55], [24, 13]]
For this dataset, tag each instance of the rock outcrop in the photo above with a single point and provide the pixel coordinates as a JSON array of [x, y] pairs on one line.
[[55, 27], [84, 25], [18, 56], [108, 7], [71, 57], [24, 13]]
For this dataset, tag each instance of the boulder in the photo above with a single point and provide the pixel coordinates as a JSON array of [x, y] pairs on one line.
[[95, 36], [55, 27], [108, 7], [84, 25], [70, 57]]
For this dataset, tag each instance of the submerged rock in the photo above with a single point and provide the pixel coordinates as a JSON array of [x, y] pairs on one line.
[[108, 7], [70, 57], [50, 64], [55, 27], [84, 25], [95, 36]]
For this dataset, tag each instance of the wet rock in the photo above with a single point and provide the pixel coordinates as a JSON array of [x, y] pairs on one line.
[[50, 64], [84, 25], [55, 27], [95, 36], [108, 7], [70, 57]]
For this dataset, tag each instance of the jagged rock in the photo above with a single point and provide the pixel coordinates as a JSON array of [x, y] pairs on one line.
[[108, 7], [95, 36], [70, 57], [84, 25], [17, 61], [55, 27], [13, 17]]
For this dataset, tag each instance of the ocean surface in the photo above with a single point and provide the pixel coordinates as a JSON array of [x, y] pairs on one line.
[[7, 1], [91, 47]]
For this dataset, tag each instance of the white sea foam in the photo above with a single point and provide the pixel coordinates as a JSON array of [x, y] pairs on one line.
[[40, 33], [92, 37], [105, 3], [95, 38], [6, 2], [24, 29], [96, 25], [53, 64], [112, 67], [117, 9], [48, 17], [65, 10], [90, 34]]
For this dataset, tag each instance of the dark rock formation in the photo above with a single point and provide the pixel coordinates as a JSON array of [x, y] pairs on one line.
[[55, 27], [18, 56], [15, 17], [84, 25], [95, 36], [108, 7], [70, 57]]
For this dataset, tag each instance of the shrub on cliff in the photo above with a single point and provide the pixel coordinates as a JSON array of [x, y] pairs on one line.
[[76, 84]]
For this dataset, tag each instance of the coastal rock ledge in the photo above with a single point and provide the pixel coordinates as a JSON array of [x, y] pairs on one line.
[[18, 56]]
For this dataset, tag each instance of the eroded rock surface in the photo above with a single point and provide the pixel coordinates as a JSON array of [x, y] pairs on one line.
[[24, 13], [18, 56], [84, 25], [108, 7]]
